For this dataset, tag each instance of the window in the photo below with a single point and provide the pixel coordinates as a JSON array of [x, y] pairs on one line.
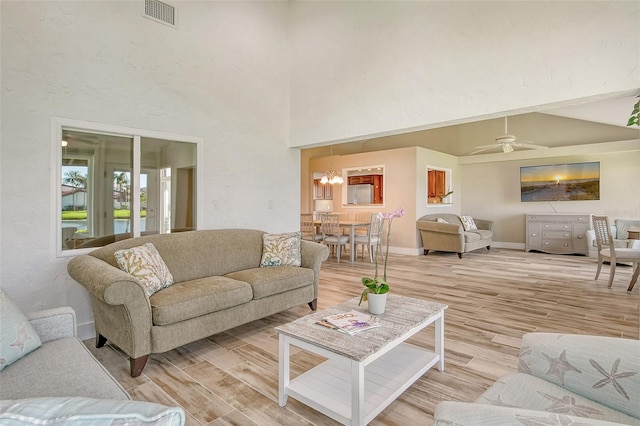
[[115, 183], [439, 186], [364, 186]]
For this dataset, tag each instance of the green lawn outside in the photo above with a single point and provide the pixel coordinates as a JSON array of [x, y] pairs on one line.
[[82, 214]]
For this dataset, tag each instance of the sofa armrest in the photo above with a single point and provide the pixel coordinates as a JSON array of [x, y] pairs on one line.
[[121, 308], [313, 254], [450, 413], [603, 369], [483, 224], [53, 324], [445, 228]]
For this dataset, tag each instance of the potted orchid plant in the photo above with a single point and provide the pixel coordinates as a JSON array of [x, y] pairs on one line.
[[376, 285]]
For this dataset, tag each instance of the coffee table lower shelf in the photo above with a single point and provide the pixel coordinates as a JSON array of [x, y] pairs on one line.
[[328, 387]]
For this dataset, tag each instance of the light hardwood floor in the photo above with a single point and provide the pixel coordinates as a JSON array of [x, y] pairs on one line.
[[494, 297]]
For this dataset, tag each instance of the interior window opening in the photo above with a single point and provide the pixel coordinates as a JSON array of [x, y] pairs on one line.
[[439, 186]]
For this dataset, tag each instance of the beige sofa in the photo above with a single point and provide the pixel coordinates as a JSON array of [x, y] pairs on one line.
[[562, 379], [62, 378], [451, 236], [219, 284]]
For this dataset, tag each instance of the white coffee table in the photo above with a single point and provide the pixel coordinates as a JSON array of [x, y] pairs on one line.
[[363, 373]]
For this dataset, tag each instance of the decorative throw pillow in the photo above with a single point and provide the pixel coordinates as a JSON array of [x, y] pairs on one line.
[[144, 263], [468, 223], [17, 337], [281, 249], [88, 411], [441, 220]]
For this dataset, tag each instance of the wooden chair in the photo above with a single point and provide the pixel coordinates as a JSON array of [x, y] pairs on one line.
[[373, 237], [608, 252], [331, 235], [308, 228], [363, 217]]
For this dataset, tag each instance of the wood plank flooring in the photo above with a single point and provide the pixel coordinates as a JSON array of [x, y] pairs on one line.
[[494, 298]]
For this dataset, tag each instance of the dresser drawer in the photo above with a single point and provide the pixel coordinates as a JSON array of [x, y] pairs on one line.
[[557, 235], [556, 226], [551, 244]]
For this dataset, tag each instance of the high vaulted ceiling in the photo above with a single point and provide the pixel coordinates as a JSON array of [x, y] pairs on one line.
[[589, 123]]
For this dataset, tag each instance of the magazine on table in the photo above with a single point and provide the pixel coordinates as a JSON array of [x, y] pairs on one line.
[[351, 322]]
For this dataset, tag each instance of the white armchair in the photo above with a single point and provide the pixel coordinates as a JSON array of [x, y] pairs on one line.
[[620, 236], [562, 379]]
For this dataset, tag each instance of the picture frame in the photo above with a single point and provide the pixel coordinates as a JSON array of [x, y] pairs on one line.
[[560, 182]]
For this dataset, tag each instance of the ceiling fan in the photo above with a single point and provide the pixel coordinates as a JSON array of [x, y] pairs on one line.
[[507, 142]]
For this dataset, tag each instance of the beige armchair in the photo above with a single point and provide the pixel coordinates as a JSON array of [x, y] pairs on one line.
[[451, 236]]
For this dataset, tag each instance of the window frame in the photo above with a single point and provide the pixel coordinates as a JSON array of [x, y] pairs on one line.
[[57, 126]]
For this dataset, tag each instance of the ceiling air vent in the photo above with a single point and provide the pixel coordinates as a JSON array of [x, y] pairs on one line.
[[160, 12]]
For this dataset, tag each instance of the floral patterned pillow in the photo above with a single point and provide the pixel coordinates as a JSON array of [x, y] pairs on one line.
[[17, 337], [144, 263], [281, 249], [468, 223]]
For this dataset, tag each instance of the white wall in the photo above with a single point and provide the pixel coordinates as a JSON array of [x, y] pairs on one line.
[[405, 185], [491, 191], [375, 68], [222, 75]]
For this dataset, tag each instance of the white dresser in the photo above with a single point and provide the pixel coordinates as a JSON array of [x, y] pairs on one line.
[[558, 233]]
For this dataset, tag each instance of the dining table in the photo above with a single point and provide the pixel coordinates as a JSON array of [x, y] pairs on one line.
[[351, 225]]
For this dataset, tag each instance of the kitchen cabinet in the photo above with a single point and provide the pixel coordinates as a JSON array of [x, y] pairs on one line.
[[377, 189], [322, 191], [557, 233], [436, 181], [361, 180]]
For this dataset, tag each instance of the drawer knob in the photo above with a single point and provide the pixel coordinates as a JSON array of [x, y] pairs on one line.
[[566, 245], [534, 235], [580, 237]]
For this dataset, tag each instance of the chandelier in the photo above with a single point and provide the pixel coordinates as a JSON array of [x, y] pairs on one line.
[[331, 176]]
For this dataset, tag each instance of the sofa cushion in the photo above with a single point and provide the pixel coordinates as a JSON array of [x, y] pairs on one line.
[[194, 298], [467, 223], [88, 411], [531, 393], [622, 228], [145, 263], [269, 281], [62, 367], [281, 249], [471, 236], [17, 337]]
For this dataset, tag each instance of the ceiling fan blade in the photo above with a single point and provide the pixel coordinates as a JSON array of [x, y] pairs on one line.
[[531, 145], [485, 148]]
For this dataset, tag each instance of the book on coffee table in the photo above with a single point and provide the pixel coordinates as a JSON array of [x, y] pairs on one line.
[[351, 322]]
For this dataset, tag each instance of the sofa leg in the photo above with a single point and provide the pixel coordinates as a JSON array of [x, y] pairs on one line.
[[313, 304], [137, 365], [426, 252], [488, 247], [100, 340], [460, 255]]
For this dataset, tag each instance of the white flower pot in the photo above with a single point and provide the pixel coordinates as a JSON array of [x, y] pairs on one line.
[[377, 303]]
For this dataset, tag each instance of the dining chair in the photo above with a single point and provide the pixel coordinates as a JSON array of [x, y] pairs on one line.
[[308, 228], [362, 217], [608, 252], [373, 237], [331, 236]]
